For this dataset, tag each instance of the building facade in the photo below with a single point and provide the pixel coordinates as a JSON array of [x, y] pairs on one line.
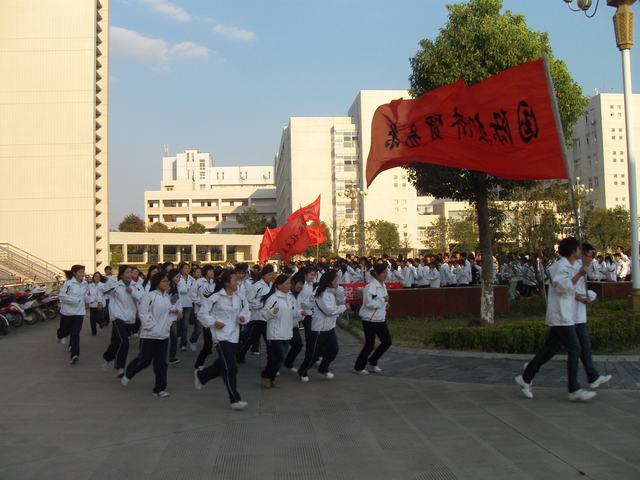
[[193, 189], [599, 150], [327, 156], [53, 129]]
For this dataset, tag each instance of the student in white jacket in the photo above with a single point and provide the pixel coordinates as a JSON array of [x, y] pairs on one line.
[[303, 309], [96, 307], [561, 319], [185, 285], [204, 292], [74, 296], [258, 325], [223, 313], [280, 311], [375, 301], [123, 296], [323, 327], [434, 275], [155, 312]]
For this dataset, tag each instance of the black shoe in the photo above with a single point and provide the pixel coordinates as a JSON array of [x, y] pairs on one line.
[[240, 360], [174, 361]]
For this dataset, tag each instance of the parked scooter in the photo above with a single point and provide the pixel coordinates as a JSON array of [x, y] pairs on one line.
[[4, 325], [28, 302], [10, 310], [50, 305]]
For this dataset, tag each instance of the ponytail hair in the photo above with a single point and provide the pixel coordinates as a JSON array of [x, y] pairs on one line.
[[280, 279], [222, 279], [173, 288], [156, 279], [325, 281]]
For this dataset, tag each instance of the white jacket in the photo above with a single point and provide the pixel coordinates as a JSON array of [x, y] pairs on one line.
[[184, 288], [434, 278], [422, 273], [95, 292], [231, 310], [259, 290], [561, 302], [122, 304], [326, 311], [408, 276], [580, 289], [156, 313], [374, 305], [281, 315], [73, 297]]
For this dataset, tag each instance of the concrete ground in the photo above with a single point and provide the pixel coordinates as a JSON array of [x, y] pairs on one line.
[[426, 418]]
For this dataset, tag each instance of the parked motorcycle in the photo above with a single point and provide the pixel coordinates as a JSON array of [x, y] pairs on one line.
[[50, 305], [4, 325], [11, 310], [28, 302]]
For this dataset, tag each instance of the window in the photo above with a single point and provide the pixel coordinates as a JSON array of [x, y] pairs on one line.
[[202, 175], [615, 175], [615, 183], [202, 186], [202, 164], [395, 185]]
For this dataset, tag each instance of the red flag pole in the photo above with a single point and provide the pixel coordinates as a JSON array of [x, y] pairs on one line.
[[567, 165]]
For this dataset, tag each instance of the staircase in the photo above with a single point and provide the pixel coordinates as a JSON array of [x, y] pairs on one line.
[[22, 265]]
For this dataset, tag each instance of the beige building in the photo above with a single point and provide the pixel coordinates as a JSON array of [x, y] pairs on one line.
[[194, 190], [599, 150], [53, 129], [327, 156]]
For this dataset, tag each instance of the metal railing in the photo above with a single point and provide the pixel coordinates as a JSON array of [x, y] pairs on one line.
[[28, 266]]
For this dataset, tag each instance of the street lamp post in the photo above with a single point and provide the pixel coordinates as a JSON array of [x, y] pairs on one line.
[[580, 190], [623, 26], [354, 194]]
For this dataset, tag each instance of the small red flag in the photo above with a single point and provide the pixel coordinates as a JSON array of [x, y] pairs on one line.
[[505, 125], [317, 233], [292, 238], [266, 246], [310, 213]]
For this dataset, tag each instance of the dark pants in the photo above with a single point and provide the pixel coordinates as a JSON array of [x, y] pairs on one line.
[[136, 326], [206, 348], [105, 312], [306, 324], [557, 338], [258, 329], [585, 352], [296, 347], [119, 346], [173, 341], [183, 325], [325, 343], [70, 326], [96, 317], [276, 352], [155, 351], [371, 331], [225, 366], [197, 328]]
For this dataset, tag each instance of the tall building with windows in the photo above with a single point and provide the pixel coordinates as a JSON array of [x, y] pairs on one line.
[[327, 156], [194, 190], [53, 129], [599, 150]]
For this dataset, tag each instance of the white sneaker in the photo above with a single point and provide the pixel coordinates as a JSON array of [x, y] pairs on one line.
[[193, 347], [375, 368], [293, 369], [277, 374], [162, 394], [361, 372], [134, 335], [68, 349], [125, 380], [183, 349], [304, 379], [328, 375], [525, 387], [238, 405], [75, 359], [257, 354], [196, 380], [581, 395], [120, 373], [601, 380], [61, 341], [106, 365]]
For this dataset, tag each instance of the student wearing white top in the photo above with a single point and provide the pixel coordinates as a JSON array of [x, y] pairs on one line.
[[280, 311], [305, 299], [323, 327], [434, 275], [622, 266], [260, 288], [207, 287], [96, 307], [584, 298], [175, 297], [302, 311], [408, 274], [422, 273], [155, 312], [185, 285], [196, 274], [612, 268], [373, 312], [74, 295], [223, 313], [146, 283], [123, 308], [561, 319]]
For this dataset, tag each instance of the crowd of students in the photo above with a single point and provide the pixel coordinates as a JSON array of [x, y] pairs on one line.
[[232, 309]]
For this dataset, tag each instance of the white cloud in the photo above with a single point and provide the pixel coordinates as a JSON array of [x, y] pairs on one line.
[[233, 33], [154, 51], [168, 10]]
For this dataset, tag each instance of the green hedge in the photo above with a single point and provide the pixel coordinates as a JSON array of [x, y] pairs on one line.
[[610, 331]]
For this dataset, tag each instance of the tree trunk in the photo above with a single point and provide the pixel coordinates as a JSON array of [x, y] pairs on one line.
[[484, 230]]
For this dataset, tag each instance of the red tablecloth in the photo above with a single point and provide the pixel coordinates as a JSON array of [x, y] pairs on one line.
[[353, 291]]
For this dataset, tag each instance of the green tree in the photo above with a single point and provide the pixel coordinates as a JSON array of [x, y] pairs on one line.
[[608, 227], [132, 223], [158, 227], [477, 42], [464, 233], [193, 227], [325, 249], [436, 239], [384, 234], [253, 223]]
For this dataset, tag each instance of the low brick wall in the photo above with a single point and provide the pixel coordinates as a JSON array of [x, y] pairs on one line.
[[610, 290], [442, 302]]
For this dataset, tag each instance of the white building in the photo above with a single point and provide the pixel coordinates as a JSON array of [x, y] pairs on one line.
[[194, 190], [327, 156], [53, 129], [599, 150]]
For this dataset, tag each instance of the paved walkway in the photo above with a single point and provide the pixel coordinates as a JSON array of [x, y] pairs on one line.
[[76, 422]]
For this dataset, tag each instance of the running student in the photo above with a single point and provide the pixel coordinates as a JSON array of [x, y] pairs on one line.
[[280, 312], [206, 290], [74, 295], [155, 323], [561, 319], [223, 313], [185, 286], [174, 295], [96, 307], [375, 302], [323, 340], [258, 327], [295, 344]]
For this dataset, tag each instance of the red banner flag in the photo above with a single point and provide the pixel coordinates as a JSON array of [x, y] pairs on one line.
[[505, 125], [317, 234], [310, 213], [292, 238], [266, 246]]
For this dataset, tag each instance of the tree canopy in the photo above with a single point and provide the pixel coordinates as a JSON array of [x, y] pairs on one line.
[[132, 223]]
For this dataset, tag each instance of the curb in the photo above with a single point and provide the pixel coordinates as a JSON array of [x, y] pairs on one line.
[[359, 335]]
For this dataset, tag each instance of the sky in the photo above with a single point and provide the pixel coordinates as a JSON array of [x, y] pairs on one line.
[[225, 76]]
